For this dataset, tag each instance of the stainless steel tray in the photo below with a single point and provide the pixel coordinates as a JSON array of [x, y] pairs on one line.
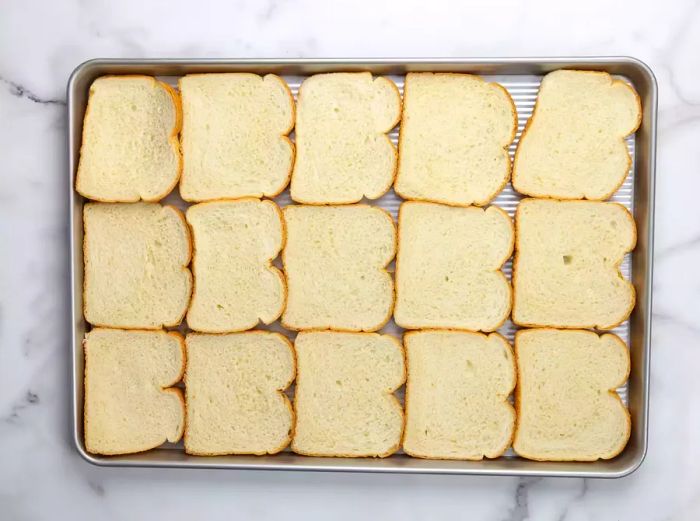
[[521, 76]]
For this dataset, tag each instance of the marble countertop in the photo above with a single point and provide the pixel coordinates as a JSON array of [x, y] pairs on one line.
[[42, 476]]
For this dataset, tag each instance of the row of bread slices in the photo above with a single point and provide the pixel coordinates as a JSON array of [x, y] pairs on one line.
[[456, 396], [226, 136], [335, 263]]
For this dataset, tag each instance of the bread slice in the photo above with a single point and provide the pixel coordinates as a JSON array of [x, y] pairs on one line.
[[566, 269], [344, 398], [566, 403], [234, 136], [448, 267], [343, 152], [457, 395], [130, 150], [235, 393], [573, 146], [454, 138], [136, 258], [130, 405], [335, 260], [236, 285]]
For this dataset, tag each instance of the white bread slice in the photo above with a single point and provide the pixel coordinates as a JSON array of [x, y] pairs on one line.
[[130, 405], [235, 284], [454, 138], [344, 399], [234, 136], [448, 267], [136, 258], [566, 268], [573, 146], [567, 407], [130, 150], [343, 152], [235, 393], [335, 260], [457, 395]]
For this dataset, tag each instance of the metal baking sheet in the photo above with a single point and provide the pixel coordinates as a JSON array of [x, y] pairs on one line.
[[521, 77]]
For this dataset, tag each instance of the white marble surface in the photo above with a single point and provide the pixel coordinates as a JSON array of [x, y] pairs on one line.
[[42, 477]]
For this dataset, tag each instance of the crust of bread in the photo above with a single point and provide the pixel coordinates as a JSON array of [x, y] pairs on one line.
[[173, 138], [390, 311], [507, 176], [612, 392], [622, 140], [185, 269], [499, 270], [284, 136], [390, 395], [633, 291], [269, 264], [166, 389], [389, 82], [508, 443], [280, 392]]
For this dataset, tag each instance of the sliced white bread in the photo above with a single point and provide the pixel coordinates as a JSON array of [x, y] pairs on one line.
[[573, 146], [448, 267], [236, 286], [136, 258], [130, 405], [235, 393], [343, 152], [566, 403], [335, 260], [457, 395], [566, 268], [344, 399], [130, 150], [234, 136], [454, 138]]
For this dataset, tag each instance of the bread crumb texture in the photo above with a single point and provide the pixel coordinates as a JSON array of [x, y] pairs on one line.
[[566, 269], [567, 407], [344, 398], [136, 258], [448, 272], [130, 405], [236, 286], [457, 395], [335, 260], [574, 146], [343, 151], [130, 150], [454, 139], [234, 136], [235, 393]]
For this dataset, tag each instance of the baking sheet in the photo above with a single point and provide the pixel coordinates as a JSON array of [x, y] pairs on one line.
[[523, 89]]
